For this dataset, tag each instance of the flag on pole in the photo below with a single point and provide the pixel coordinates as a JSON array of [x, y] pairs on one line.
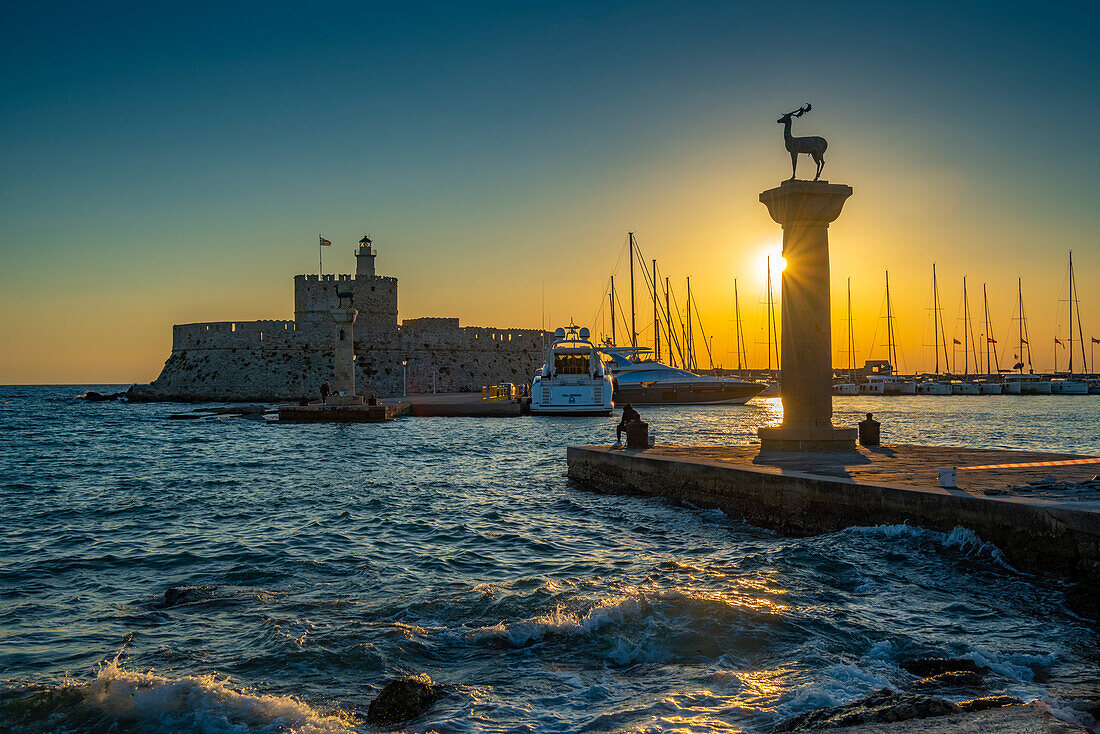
[[957, 341], [324, 242], [1058, 342], [1095, 340], [991, 340]]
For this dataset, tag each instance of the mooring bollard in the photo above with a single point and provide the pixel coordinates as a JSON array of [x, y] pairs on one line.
[[637, 435], [869, 431]]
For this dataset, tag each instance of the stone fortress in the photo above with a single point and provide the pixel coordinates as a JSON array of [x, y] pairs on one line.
[[286, 360]]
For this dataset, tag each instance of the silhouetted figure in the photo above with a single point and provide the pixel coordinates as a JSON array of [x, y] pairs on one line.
[[372, 400], [325, 392], [629, 416]]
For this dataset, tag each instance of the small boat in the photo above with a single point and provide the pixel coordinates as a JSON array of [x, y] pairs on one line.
[[894, 384], [572, 381], [648, 382], [845, 388], [1068, 386], [872, 387], [964, 387], [933, 387], [1026, 384], [989, 386]]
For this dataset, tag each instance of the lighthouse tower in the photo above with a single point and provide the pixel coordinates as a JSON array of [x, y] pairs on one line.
[[364, 259]]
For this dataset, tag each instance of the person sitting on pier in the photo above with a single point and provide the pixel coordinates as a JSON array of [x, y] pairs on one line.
[[629, 416], [325, 392]]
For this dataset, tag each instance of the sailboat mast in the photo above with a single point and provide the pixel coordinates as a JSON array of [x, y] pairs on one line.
[[739, 340], [966, 322], [937, 324], [656, 318], [1080, 331], [1070, 313], [989, 333], [768, 315], [613, 310], [851, 337], [688, 336], [668, 323], [891, 347], [633, 329]]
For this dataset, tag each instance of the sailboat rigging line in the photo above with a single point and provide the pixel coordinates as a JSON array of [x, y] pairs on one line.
[[706, 341]]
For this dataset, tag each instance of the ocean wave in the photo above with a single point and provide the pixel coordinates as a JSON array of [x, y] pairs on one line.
[[202, 703], [960, 538], [559, 621]]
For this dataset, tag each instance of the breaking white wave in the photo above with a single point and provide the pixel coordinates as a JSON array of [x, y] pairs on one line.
[[203, 703], [560, 621]]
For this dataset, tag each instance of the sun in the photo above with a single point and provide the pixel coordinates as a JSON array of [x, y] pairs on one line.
[[773, 255]]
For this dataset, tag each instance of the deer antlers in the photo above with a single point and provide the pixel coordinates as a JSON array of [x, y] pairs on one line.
[[801, 110]]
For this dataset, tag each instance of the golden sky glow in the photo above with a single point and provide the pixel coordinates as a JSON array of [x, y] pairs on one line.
[[497, 174]]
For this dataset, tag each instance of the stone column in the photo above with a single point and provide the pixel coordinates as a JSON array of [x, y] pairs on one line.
[[343, 354], [805, 209]]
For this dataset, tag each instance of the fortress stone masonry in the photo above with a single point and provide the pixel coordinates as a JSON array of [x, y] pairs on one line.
[[287, 360]]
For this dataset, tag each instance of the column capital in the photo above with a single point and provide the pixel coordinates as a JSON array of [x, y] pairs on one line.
[[805, 202]]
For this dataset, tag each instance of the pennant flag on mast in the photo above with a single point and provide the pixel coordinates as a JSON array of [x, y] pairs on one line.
[[324, 242], [1058, 342], [991, 340], [1095, 340], [957, 342]]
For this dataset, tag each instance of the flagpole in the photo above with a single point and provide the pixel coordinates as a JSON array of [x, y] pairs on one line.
[[320, 257]]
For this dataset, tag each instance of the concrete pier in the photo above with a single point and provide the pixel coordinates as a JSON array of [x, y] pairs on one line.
[[805, 493]]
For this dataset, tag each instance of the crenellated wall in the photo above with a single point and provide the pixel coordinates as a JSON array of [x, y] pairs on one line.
[[283, 360]]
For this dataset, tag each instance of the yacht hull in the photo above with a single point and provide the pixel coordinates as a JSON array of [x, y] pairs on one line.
[[687, 394]]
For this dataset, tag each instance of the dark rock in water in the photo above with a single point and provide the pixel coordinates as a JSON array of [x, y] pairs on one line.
[[97, 397], [401, 700], [925, 667], [967, 678], [989, 702], [179, 595], [881, 707]]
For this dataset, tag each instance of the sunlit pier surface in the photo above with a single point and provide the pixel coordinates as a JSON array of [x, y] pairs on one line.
[[1044, 518]]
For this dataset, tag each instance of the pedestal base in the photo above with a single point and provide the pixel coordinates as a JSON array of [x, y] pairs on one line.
[[346, 400], [807, 439]]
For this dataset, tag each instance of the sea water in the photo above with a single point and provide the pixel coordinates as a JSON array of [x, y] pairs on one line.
[[332, 558]]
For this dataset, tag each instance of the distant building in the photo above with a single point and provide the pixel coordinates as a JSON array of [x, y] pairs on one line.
[[284, 360]]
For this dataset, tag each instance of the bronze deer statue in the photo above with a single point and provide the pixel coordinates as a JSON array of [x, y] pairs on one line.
[[341, 295], [811, 146]]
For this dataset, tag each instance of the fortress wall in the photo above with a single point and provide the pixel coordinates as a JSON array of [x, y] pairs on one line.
[[375, 298], [273, 334], [449, 358]]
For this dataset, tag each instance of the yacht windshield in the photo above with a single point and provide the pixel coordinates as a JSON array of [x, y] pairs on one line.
[[571, 364]]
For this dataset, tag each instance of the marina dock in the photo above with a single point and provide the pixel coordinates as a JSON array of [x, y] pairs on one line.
[[1044, 518], [456, 405]]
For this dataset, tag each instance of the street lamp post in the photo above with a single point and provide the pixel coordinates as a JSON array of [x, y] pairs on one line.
[[405, 378]]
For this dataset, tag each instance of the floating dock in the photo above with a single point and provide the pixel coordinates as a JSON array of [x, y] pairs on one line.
[[1044, 517], [350, 413], [458, 405]]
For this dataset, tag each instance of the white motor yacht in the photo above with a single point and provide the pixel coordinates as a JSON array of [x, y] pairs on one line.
[[648, 382], [572, 381]]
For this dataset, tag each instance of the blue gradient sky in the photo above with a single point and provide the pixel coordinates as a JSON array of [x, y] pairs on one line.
[[176, 163]]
